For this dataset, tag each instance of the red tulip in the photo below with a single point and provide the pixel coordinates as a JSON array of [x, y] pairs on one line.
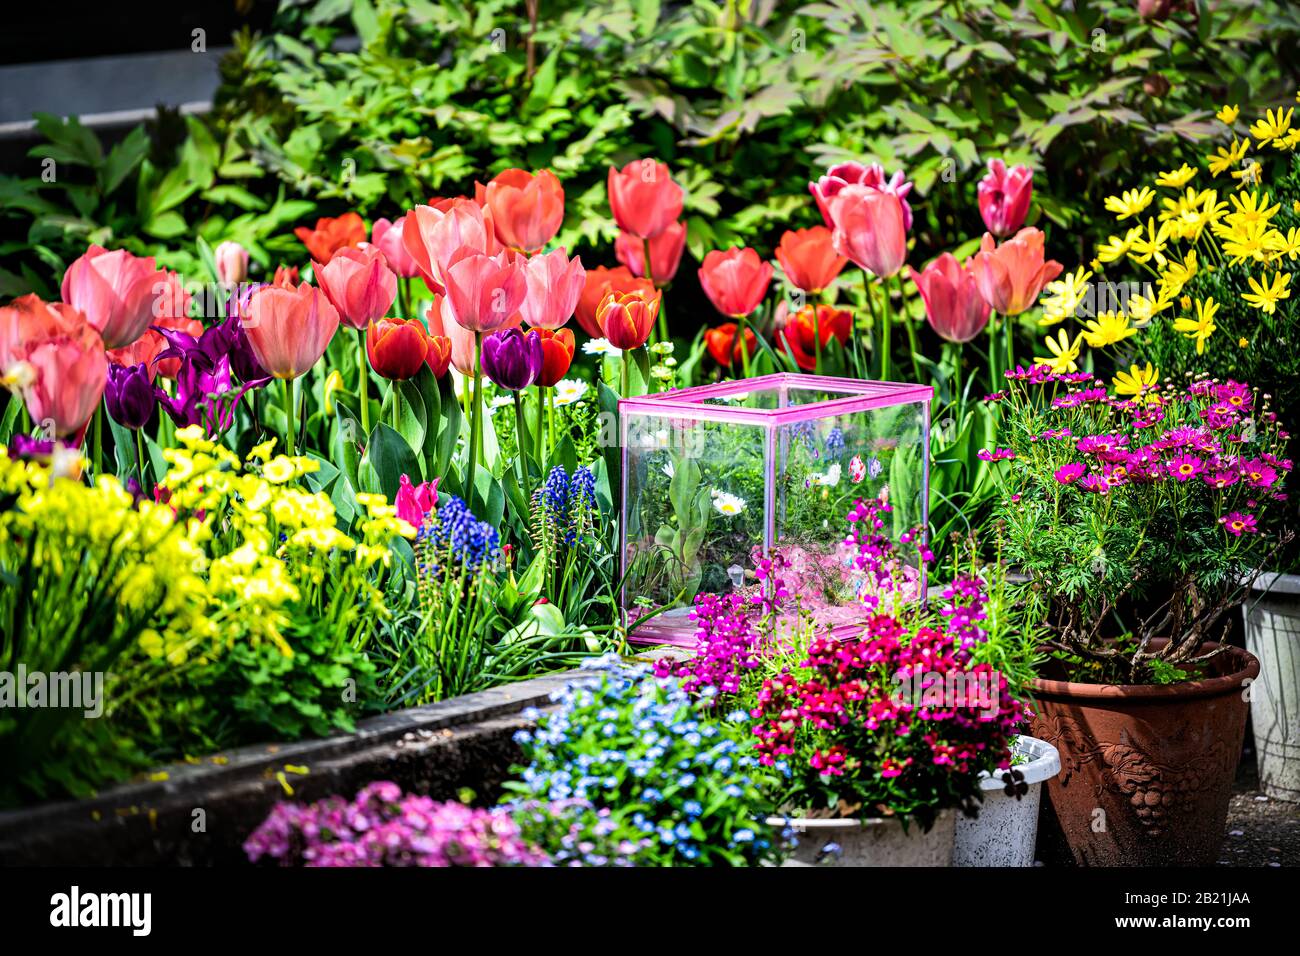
[[289, 329], [599, 283], [435, 236], [54, 359], [803, 329], [808, 258], [484, 292], [665, 252], [557, 354], [527, 209], [1004, 196], [724, 345], [953, 304], [331, 235], [869, 229], [626, 319], [115, 291], [438, 358], [555, 283], [359, 284], [397, 347], [388, 237], [1011, 275], [643, 198], [735, 281]]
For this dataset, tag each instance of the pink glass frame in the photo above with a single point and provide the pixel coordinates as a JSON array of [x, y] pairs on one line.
[[689, 404]]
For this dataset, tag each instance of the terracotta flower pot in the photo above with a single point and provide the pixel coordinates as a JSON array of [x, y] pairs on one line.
[[1146, 770]]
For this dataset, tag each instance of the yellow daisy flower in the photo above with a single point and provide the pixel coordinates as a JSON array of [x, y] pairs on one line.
[[1136, 380], [1266, 296], [1224, 159], [1274, 124], [1065, 353], [1151, 245], [1117, 247], [1176, 179], [1064, 296], [1130, 202], [1202, 327], [1106, 329], [1228, 115]]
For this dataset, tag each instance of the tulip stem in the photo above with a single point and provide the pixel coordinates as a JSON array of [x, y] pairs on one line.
[[540, 437], [1008, 333], [817, 342], [520, 436], [875, 320], [397, 407], [744, 345], [97, 439], [886, 323], [289, 437], [625, 376], [475, 422], [550, 421], [649, 274], [993, 351], [910, 326], [363, 385], [139, 454]]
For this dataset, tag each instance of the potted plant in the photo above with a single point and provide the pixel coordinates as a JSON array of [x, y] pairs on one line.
[[1139, 520], [1228, 240]]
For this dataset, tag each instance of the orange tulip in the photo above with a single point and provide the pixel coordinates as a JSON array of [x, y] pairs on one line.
[[438, 358], [735, 281], [808, 258], [803, 329], [286, 277], [289, 329], [665, 252], [643, 198], [1011, 275], [870, 229], [626, 319], [599, 283], [724, 345], [359, 283], [397, 347], [331, 235], [557, 354], [527, 209]]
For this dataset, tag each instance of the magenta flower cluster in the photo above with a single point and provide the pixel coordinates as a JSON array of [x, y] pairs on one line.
[[384, 827]]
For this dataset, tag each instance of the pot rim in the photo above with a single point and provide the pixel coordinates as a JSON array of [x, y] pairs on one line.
[[1275, 582], [845, 823], [1042, 766], [1247, 669]]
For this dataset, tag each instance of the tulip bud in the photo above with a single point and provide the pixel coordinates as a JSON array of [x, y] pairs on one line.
[[129, 395], [232, 263], [512, 359], [397, 347]]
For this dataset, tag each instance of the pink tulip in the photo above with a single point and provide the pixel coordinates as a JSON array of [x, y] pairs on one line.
[[643, 198], [232, 263], [435, 236], [358, 283], [484, 292], [1004, 196], [953, 304], [54, 359], [735, 281], [665, 252], [855, 174], [115, 291], [1011, 275], [440, 322], [869, 228], [289, 329], [388, 237], [416, 502], [555, 283]]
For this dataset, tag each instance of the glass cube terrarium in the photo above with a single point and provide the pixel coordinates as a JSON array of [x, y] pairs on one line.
[[717, 477]]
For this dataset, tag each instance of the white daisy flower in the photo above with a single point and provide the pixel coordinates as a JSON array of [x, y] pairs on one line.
[[599, 347], [728, 504], [569, 390], [830, 479]]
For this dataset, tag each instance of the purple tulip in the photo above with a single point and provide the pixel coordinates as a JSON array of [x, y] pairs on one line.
[[512, 359], [129, 395], [205, 391]]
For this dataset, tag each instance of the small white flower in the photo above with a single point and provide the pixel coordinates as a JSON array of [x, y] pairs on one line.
[[728, 504], [830, 479], [668, 468], [569, 390], [661, 348], [661, 372], [599, 347], [501, 401]]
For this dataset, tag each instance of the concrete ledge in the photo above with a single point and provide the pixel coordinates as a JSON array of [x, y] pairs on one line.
[[201, 814]]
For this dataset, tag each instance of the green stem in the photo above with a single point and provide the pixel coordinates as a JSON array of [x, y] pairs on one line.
[[625, 375], [519, 442], [911, 329], [397, 407], [97, 440], [550, 421], [363, 383], [540, 436], [740, 339], [475, 422], [994, 380], [289, 437], [875, 323], [817, 342], [1009, 337], [662, 321], [139, 454], [886, 314]]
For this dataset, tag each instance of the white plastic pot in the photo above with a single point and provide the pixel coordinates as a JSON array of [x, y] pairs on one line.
[[1272, 615], [1005, 831], [874, 841]]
